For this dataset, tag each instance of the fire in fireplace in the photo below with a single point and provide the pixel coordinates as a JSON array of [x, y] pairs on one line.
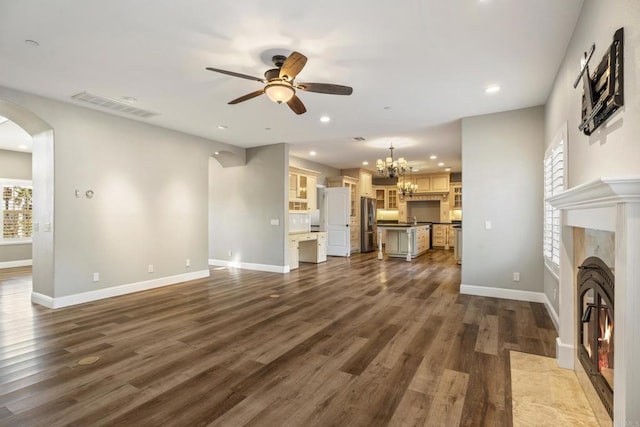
[[595, 326]]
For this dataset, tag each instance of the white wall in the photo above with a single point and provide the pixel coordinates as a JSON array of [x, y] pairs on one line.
[[243, 201], [502, 160], [614, 149], [15, 165], [150, 203]]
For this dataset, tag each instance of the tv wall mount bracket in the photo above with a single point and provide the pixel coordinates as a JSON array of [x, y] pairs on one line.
[[602, 90]]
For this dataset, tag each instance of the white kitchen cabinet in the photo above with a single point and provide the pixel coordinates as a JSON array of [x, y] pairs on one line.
[[397, 244], [307, 247], [294, 260], [456, 196], [443, 236], [432, 183], [302, 189], [365, 181], [386, 197]]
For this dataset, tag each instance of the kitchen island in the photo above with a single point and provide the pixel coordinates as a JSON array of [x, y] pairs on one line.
[[403, 240]]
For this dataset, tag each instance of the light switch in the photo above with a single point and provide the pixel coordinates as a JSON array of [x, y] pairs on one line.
[[275, 222], [47, 227], [487, 225]]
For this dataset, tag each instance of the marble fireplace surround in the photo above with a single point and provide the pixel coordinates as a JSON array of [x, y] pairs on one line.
[[608, 204]]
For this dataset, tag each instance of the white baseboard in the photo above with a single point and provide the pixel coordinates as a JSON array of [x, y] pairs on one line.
[[129, 288], [20, 263], [249, 266], [565, 354], [485, 291], [552, 312]]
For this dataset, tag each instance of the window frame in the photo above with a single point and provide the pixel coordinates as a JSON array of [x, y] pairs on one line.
[[551, 215], [10, 182]]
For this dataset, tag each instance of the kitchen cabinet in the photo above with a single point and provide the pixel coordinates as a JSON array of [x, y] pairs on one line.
[[443, 236], [432, 183], [307, 247], [365, 181], [302, 189], [456, 196], [386, 197], [397, 244]]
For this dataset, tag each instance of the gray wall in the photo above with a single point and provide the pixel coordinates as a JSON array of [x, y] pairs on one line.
[[243, 200], [502, 161], [614, 149], [325, 171], [150, 204], [15, 165]]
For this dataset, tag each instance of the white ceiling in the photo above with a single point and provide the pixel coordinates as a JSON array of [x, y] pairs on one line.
[[416, 66]]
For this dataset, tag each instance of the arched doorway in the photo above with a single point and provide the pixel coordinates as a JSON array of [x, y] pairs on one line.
[[42, 177]]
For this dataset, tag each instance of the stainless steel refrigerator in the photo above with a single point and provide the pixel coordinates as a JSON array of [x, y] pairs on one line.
[[367, 224]]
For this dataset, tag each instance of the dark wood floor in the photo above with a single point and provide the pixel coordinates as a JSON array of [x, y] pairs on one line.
[[351, 342]]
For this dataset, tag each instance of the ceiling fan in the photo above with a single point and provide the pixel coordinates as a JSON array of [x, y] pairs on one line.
[[280, 85]]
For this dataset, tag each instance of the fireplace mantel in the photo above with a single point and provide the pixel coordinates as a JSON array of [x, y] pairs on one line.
[[599, 193], [611, 204]]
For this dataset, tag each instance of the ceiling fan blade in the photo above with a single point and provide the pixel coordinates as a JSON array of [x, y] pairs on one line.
[[328, 88], [296, 105], [247, 97], [292, 66], [234, 74]]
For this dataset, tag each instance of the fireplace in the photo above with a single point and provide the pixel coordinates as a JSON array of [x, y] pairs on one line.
[[595, 326], [610, 205]]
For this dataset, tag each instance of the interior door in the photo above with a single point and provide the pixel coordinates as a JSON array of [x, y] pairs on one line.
[[337, 205]]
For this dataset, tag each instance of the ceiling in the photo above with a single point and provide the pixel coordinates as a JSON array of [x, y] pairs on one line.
[[416, 67]]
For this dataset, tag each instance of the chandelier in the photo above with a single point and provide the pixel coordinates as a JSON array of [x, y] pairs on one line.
[[391, 168], [408, 188]]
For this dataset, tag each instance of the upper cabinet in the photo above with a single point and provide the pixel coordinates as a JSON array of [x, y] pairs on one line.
[[365, 180], [456, 196], [386, 197], [432, 183], [302, 189]]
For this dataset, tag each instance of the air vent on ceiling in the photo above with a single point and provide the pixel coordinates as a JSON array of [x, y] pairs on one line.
[[359, 138], [112, 104]]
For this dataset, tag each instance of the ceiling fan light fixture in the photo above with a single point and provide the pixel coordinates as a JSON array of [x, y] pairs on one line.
[[279, 92]]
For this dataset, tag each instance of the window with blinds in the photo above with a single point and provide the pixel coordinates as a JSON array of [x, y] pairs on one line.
[[17, 212], [554, 160]]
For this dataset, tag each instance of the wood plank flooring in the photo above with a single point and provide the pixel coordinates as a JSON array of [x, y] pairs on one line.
[[350, 342]]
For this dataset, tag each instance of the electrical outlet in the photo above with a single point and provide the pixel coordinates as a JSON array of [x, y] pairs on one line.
[[516, 277], [187, 263], [96, 277], [150, 268], [229, 252]]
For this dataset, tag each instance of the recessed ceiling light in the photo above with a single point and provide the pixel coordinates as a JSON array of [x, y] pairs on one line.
[[433, 157], [447, 169], [441, 164], [222, 127], [325, 119], [365, 163], [216, 153], [22, 146], [32, 43], [492, 89], [312, 153], [129, 99]]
